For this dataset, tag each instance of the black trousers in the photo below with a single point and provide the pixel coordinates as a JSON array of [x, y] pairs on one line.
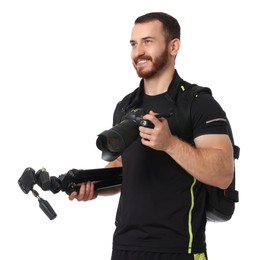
[[136, 255]]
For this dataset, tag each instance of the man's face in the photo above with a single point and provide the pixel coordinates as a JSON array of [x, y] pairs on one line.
[[149, 51]]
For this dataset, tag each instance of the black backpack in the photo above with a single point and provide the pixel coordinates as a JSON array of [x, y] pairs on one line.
[[220, 203]]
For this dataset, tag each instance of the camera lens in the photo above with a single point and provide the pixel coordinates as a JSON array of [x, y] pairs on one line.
[[112, 142]]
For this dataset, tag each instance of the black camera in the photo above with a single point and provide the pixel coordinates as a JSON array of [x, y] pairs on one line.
[[113, 142]]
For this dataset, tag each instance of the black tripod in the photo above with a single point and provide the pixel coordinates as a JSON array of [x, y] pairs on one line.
[[104, 178]]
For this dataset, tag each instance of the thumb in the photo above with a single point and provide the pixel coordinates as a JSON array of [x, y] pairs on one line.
[[152, 113]]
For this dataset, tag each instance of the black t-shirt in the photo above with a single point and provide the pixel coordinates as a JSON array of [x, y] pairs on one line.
[[162, 207]]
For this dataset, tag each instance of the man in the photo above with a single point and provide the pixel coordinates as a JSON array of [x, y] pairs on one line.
[[161, 212]]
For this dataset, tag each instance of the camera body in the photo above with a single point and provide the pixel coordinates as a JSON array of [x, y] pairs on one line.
[[113, 142], [136, 115]]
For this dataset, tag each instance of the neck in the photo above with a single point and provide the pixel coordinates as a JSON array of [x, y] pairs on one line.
[[158, 84]]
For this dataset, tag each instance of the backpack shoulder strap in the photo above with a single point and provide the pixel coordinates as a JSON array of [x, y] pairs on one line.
[[126, 104], [182, 108]]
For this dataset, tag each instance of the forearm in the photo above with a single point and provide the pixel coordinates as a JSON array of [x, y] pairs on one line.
[[114, 190], [210, 165], [109, 191]]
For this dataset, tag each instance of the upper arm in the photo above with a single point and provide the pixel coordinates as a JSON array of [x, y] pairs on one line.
[[215, 141], [116, 163]]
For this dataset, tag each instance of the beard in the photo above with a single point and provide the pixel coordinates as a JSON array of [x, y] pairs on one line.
[[158, 63]]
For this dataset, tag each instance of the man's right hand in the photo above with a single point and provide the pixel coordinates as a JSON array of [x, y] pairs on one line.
[[86, 192]]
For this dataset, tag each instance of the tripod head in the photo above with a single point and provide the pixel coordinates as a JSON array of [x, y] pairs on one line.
[[104, 178]]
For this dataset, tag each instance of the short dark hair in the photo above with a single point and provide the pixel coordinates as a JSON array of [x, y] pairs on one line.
[[170, 24]]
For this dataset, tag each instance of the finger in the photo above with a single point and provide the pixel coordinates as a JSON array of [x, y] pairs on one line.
[[91, 193], [145, 131], [152, 113], [145, 135], [152, 118], [88, 191], [82, 192], [146, 142], [73, 195]]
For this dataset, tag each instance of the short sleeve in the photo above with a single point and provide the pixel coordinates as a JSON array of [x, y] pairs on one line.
[[207, 115]]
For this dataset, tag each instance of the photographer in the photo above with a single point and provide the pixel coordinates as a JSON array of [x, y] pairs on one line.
[[161, 213]]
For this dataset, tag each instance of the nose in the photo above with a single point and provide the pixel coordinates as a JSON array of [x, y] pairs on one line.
[[138, 50]]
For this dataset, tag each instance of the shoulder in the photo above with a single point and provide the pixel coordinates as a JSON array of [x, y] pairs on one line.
[[123, 105], [206, 103], [208, 116], [125, 100]]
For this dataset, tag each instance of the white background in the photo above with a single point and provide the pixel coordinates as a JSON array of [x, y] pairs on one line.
[[64, 65]]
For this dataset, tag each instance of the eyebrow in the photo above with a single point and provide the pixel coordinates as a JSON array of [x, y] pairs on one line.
[[143, 39]]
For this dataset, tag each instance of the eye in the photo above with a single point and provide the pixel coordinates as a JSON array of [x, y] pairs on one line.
[[133, 44], [147, 41]]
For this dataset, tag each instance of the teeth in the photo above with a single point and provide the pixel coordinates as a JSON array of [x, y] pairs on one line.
[[141, 61]]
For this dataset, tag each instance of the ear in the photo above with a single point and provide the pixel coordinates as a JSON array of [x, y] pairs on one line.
[[174, 46]]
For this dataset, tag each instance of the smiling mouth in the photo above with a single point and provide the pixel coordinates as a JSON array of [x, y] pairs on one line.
[[141, 62]]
